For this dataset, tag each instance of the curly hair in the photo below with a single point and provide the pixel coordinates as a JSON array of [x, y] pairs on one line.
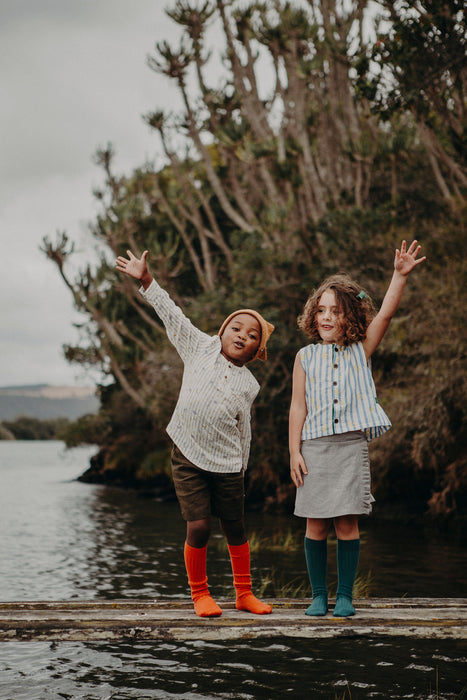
[[351, 300]]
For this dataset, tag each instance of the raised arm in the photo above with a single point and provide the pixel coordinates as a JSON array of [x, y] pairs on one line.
[[297, 415], [183, 335], [135, 267], [404, 262]]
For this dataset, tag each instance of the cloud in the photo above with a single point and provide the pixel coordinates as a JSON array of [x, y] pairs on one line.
[[73, 77], [73, 82]]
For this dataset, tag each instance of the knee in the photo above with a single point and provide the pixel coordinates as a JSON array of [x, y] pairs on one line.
[[346, 528], [317, 529], [234, 531], [198, 532]]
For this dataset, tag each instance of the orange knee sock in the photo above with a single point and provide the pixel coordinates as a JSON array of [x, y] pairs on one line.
[[195, 562], [240, 558]]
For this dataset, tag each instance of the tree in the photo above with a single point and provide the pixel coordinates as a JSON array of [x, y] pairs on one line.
[[269, 184], [423, 70]]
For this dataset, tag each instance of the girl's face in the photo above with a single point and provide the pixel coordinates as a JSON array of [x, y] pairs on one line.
[[240, 339], [329, 321]]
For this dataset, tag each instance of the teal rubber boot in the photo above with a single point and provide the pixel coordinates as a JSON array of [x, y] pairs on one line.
[[348, 554], [316, 553]]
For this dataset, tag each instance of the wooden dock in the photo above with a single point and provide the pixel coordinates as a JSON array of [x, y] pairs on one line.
[[171, 620]]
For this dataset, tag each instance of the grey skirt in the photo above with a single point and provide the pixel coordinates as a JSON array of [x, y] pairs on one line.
[[338, 480]]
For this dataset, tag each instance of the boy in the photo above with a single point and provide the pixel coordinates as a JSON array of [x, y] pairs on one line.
[[210, 429]]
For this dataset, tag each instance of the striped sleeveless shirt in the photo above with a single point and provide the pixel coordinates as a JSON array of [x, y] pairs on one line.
[[340, 392]]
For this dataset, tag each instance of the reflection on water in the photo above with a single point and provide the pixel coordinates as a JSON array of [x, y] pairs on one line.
[[61, 539], [260, 669], [130, 550]]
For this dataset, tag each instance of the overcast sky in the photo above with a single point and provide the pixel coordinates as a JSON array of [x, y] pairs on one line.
[[73, 76]]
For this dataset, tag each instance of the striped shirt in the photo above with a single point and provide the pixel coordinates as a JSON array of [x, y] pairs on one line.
[[340, 392], [211, 421]]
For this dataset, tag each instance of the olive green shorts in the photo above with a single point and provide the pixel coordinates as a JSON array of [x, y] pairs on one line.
[[201, 493]]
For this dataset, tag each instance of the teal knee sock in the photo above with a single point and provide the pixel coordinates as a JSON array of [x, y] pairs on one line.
[[316, 553], [348, 554]]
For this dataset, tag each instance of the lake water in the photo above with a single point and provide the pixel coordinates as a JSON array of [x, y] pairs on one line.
[[61, 539]]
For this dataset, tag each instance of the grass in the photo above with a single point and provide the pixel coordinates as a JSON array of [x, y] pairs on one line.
[[279, 541], [275, 585], [432, 695], [346, 696]]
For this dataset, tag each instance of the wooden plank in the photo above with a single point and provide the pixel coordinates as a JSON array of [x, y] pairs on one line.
[[172, 620]]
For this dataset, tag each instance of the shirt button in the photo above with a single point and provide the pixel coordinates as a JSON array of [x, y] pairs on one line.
[[336, 366], [336, 400], [336, 420], [334, 383]]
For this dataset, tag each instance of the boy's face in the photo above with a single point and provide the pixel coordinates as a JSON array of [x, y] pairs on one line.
[[240, 339]]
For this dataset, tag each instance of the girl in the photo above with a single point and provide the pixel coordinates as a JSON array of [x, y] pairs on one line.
[[334, 412], [210, 429]]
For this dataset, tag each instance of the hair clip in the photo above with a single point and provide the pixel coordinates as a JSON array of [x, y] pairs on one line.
[[362, 295]]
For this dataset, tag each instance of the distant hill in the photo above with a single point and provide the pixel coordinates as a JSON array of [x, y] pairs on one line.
[[44, 401]]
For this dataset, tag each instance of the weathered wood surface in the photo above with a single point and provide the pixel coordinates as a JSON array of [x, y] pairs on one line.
[[171, 620]]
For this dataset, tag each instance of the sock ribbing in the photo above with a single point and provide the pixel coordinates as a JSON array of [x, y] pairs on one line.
[[240, 559], [195, 563]]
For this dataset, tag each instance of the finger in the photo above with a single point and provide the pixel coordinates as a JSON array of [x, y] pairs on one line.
[[302, 466], [144, 255], [121, 261], [302, 471], [403, 247], [130, 255], [412, 247], [296, 478]]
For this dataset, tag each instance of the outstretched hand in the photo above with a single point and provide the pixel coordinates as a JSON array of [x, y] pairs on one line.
[[133, 266], [406, 260]]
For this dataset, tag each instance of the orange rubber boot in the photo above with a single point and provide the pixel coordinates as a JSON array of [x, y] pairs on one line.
[[240, 558], [195, 562]]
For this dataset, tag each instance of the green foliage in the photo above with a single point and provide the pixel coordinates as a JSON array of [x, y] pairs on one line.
[[420, 68], [89, 429], [28, 428], [425, 52], [273, 184]]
